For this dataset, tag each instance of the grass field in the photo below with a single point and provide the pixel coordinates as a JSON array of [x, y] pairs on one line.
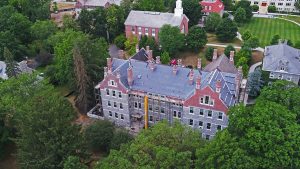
[[293, 18], [265, 29]]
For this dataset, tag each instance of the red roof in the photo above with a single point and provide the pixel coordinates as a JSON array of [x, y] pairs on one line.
[[212, 6]]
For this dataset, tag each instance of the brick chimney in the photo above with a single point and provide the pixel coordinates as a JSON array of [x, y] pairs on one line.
[[121, 54], [238, 79], [130, 75], [150, 54], [215, 55], [109, 64], [137, 49], [191, 77], [175, 69], [179, 62], [105, 71], [199, 66], [198, 82], [218, 86], [157, 59], [231, 58], [118, 74], [147, 48], [152, 65]]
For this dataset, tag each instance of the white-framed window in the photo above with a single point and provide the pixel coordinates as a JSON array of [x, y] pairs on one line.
[[150, 118], [121, 106], [201, 124], [201, 112], [115, 104], [140, 105], [205, 7], [206, 99], [208, 126], [280, 4], [272, 3], [220, 116], [288, 4], [179, 114], [280, 76], [209, 113], [153, 32], [207, 137], [255, 2], [110, 113], [174, 113], [156, 108], [162, 110], [135, 104], [209, 7], [271, 75], [108, 103], [191, 122], [150, 107], [191, 110], [289, 78], [114, 93], [122, 116], [116, 115], [219, 127], [140, 30], [133, 29], [112, 83], [120, 95], [147, 31], [107, 92]]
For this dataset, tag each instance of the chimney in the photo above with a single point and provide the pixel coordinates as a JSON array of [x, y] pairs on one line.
[[147, 48], [218, 86], [215, 55], [118, 74], [137, 49], [109, 64], [105, 71], [191, 77], [199, 63], [231, 59], [157, 59], [130, 75], [198, 82], [175, 69], [238, 78], [121, 54], [150, 54], [179, 62], [240, 71], [152, 65]]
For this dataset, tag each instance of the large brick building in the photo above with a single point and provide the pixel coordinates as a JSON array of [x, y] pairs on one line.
[[148, 23], [195, 97]]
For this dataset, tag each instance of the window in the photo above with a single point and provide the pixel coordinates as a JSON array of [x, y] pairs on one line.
[[115, 104], [156, 108], [174, 113], [271, 75], [121, 106], [211, 102], [150, 107], [255, 2], [191, 110], [272, 3], [282, 68], [208, 126], [205, 7], [201, 124], [107, 92], [280, 4], [209, 113], [108, 103], [150, 118], [280, 76], [133, 30], [140, 105], [114, 93], [220, 116], [162, 110], [116, 115], [122, 116], [153, 32], [146, 31], [112, 82], [219, 127], [201, 100], [140, 30], [207, 137], [206, 99], [135, 104], [201, 112], [120, 94], [289, 78], [209, 7], [110, 113], [191, 122]]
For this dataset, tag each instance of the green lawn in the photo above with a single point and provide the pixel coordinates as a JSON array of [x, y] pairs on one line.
[[265, 29]]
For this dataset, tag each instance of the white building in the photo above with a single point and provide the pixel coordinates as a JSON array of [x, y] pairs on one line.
[[281, 5]]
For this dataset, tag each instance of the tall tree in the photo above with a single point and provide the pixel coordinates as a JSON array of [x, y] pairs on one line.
[[240, 15], [165, 58], [228, 4], [226, 30], [149, 5], [171, 39], [297, 4], [12, 68], [246, 6], [196, 38], [115, 20], [73, 162], [209, 53], [252, 42], [255, 83], [192, 9], [228, 49], [212, 22], [275, 40]]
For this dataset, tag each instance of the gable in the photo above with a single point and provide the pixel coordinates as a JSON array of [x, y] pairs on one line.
[[117, 85]]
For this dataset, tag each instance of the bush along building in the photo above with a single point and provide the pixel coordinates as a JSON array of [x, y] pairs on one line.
[[148, 23], [282, 62], [139, 92]]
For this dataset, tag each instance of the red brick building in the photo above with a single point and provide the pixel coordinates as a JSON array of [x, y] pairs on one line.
[[212, 6], [140, 23]]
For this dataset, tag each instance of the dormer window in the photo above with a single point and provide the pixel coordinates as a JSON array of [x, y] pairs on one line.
[[112, 83], [207, 100]]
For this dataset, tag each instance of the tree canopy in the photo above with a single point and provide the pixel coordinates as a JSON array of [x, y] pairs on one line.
[[226, 30], [212, 22], [192, 8], [196, 38]]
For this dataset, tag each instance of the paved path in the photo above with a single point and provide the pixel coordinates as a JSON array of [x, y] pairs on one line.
[[113, 51], [237, 47]]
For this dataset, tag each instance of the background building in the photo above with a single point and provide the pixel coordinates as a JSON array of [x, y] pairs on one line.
[[281, 5]]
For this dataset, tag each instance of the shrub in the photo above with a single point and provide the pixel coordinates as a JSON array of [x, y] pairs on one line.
[[120, 41], [120, 137], [209, 53]]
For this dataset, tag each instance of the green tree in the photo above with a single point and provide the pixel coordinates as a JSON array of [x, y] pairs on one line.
[[130, 44], [297, 44], [275, 39], [120, 41], [171, 39], [162, 146], [148, 5], [120, 137], [246, 6], [115, 17], [246, 35], [252, 42], [228, 4], [228, 49], [209, 53], [73, 162], [255, 8], [165, 58], [12, 68], [226, 30], [149, 41], [191, 9], [212, 22], [240, 15], [196, 38], [297, 4], [255, 83], [99, 135], [4, 136], [69, 23], [272, 8]]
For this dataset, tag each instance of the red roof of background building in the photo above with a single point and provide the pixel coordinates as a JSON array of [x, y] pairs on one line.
[[216, 6]]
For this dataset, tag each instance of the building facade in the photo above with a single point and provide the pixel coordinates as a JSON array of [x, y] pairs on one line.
[[194, 97], [283, 62], [148, 23], [281, 5], [212, 6]]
